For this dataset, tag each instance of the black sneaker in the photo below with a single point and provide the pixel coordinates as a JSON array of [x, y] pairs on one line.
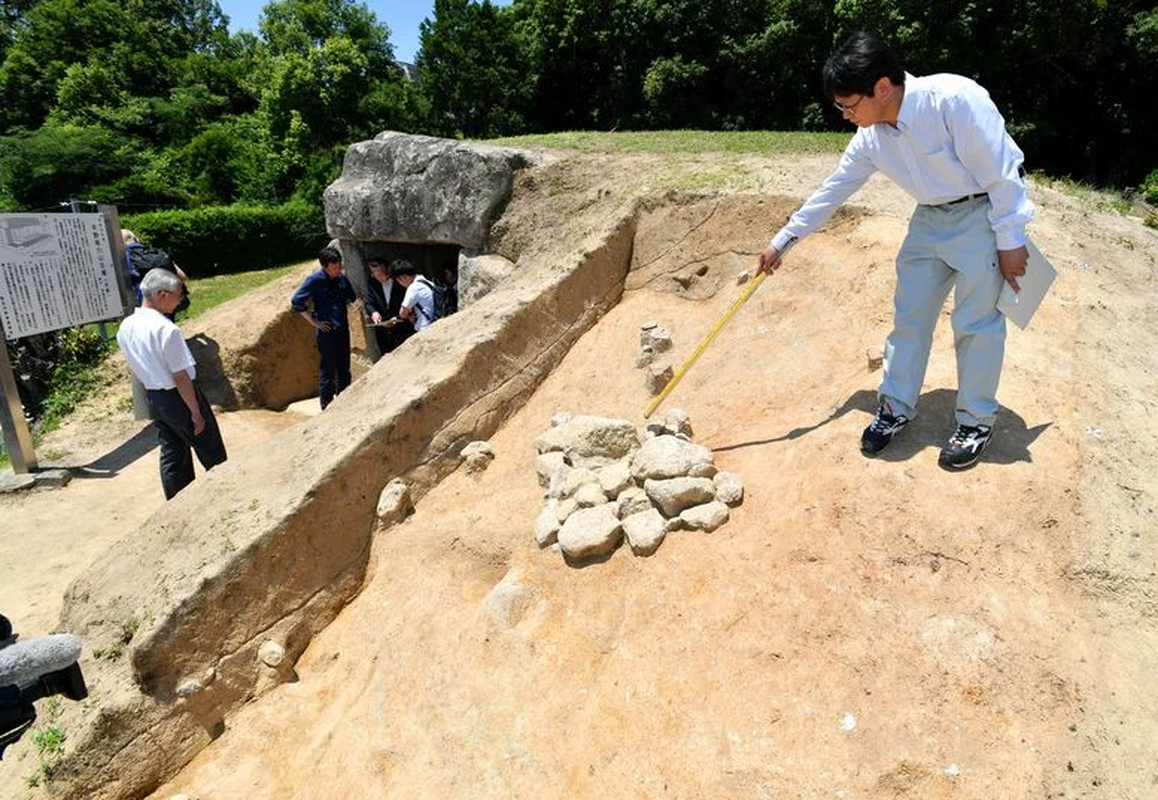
[[965, 446], [881, 430]]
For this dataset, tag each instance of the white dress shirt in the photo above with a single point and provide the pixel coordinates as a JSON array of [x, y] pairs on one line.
[[420, 299], [155, 349], [949, 142]]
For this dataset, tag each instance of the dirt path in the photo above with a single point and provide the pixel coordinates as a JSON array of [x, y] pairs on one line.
[[51, 535]]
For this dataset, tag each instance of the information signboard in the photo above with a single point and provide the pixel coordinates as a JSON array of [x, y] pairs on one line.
[[56, 271]]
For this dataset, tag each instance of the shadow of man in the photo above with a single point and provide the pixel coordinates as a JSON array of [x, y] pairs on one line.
[[932, 428], [108, 465], [211, 375]]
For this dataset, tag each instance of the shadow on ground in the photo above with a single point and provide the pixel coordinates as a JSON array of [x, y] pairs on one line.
[[931, 429]]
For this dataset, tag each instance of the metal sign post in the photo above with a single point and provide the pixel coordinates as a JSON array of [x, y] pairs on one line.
[[17, 437]]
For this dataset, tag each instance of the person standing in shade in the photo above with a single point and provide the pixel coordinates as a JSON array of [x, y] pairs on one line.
[[384, 297], [941, 139], [322, 300], [418, 304], [161, 361]]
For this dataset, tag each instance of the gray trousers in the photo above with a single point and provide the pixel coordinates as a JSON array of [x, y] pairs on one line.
[[174, 427], [947, 247]]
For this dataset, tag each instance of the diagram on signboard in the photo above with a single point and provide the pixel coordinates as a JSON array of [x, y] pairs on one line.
[[23, 233]]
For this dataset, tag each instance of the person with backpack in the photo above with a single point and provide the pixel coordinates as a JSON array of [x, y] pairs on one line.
[[384, 297], [418, 304], [322, 300], [141, 259]]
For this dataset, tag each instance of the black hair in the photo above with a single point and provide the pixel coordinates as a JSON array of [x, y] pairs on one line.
[[402, 267], [328, 255], [857, 65], [377, 263]]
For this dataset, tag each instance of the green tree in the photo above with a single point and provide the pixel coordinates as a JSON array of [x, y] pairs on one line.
[[472, 70]]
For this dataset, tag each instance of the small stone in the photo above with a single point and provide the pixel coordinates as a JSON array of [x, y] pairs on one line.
[[677, 422], [658, 339], [658, 376], [477, 456], [569, 482], [614, 478], [729, 488], [53, 478], [589, 495], [632, 500], [743, 278], [509, 600], [394, 504], [547, 524], [875, 357], [15, 483], [566, 508], [271, 653], [645, 531], [645, 357], [706, 517], [672, 495], [546, 464], [188, 687], [591, 532], [701, 470]]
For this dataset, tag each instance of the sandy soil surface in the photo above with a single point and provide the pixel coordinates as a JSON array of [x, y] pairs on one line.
[[858, 629]]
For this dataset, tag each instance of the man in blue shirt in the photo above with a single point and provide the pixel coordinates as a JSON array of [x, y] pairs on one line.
[[941, 139], [322, 300]]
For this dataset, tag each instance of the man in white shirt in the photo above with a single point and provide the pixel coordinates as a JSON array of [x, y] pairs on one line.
[[160, 359], [941, 139], [418, 304]]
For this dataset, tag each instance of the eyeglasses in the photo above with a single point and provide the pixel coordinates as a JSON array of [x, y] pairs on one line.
[[851, 108]]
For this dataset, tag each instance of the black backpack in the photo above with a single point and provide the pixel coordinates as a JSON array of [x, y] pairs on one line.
[[144, 258], [445, 302]]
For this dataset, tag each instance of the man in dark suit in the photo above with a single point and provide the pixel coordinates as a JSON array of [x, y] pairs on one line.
[[383, 300]]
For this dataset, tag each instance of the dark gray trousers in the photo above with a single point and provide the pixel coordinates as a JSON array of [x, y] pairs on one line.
[[174, 427]]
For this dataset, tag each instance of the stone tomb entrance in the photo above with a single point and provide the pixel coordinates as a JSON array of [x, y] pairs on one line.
[[431, 260], [423, 199]]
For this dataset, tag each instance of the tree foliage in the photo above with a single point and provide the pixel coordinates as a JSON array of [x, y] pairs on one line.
[[149, 103]]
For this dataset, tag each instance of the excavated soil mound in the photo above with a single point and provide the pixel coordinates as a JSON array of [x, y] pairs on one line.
[[859, 628]]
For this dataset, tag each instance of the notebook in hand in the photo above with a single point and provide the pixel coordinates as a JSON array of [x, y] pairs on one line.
[[1020, 307]]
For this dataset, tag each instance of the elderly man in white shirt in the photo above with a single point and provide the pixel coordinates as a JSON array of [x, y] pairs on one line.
[[160, 359], [941, 139]]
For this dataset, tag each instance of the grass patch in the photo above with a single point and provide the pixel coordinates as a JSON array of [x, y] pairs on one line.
[[49, 744], [762, 143], [207, 293]]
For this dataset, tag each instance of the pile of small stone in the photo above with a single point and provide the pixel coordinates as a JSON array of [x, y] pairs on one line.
[[603, 485]]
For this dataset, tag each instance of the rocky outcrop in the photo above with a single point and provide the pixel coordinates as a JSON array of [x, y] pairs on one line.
[[421, 189]]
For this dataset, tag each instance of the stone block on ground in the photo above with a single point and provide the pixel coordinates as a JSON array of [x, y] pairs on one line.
[[668, 457], [645, 531], [673, 495], [591, 532], [706, 517]]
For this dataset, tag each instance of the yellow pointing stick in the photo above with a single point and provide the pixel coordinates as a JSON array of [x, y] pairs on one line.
[[743, 298]]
